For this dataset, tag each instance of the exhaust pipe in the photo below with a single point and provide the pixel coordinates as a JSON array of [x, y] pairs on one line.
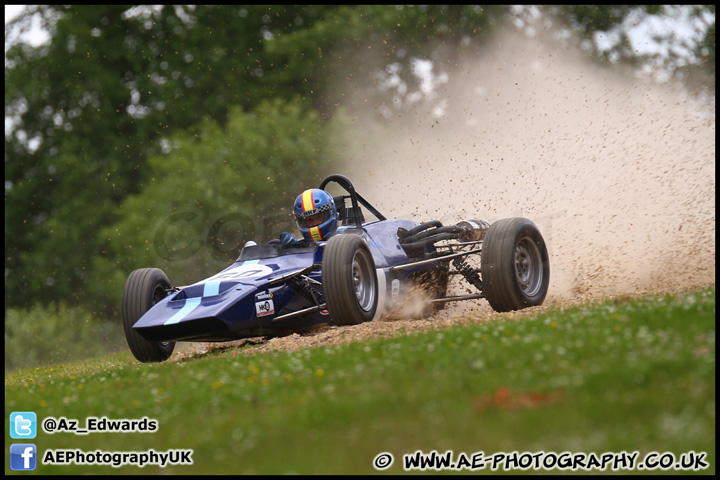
[[473, 230]]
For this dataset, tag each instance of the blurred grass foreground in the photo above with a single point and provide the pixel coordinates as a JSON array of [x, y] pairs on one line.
[[624, 375]]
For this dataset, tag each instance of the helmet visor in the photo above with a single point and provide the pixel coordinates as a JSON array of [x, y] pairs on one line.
[[313, 220]]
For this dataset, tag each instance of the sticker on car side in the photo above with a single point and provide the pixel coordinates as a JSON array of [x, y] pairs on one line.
[[264, 308], [395, 289], [263, 296]]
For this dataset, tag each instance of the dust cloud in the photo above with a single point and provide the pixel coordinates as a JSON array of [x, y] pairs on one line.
[[618, 174]]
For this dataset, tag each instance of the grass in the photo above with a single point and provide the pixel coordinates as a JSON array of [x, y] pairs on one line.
[[630, 375]]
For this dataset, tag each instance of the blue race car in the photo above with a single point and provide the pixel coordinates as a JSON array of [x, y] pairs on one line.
[[361, 271]]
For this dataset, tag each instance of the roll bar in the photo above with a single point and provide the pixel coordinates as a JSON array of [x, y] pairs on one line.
[[355, 197]]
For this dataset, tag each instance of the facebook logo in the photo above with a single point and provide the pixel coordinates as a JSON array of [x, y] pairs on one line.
[[23, 456], [23, 425]]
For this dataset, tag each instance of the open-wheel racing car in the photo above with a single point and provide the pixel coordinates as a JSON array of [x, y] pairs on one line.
[[361, 271]]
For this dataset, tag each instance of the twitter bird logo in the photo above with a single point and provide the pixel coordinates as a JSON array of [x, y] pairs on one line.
[[23, 425]]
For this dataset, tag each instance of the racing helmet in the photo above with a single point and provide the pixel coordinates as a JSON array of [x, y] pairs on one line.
[[315, 214]]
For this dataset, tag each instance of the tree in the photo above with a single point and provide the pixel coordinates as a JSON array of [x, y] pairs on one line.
[[678, 41], [244, 177], [119, 85], [88, 109]]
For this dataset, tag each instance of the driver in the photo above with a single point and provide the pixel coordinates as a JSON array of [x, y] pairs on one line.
[[315, 215]]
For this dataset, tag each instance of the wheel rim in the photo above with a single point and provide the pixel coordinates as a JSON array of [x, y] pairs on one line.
[[363, 280], [528, 266]]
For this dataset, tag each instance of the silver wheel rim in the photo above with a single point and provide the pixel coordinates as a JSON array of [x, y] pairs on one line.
[[363, 280], [528, 266]]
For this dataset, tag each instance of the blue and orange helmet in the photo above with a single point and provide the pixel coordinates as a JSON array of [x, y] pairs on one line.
[[315, 214]]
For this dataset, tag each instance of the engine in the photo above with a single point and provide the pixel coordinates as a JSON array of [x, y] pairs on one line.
[[429, 233]]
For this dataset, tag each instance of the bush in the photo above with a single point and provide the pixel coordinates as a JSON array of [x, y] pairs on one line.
[[56, 333]]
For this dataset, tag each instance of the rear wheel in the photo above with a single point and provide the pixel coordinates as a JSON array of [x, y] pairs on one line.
[[349, 280], [143, 289], [515, 266]]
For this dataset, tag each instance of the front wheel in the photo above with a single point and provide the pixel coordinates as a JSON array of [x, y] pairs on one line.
[[143, 289], [515, 266], [349, 280]]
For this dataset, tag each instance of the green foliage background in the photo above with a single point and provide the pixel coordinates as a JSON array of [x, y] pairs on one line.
[[139, 135]]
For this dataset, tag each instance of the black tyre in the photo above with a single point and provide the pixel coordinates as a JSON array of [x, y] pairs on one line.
[[349, 280], [515, 267], [143, 289]]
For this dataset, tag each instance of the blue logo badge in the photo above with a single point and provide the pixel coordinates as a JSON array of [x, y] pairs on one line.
[[23, 425], [23, 456]]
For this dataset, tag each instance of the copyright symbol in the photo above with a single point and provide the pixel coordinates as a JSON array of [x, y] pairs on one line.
[[49, 425], [382, 461]]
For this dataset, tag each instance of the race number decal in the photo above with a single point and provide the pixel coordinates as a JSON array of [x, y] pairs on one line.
[[242, 272], [264, 307]]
